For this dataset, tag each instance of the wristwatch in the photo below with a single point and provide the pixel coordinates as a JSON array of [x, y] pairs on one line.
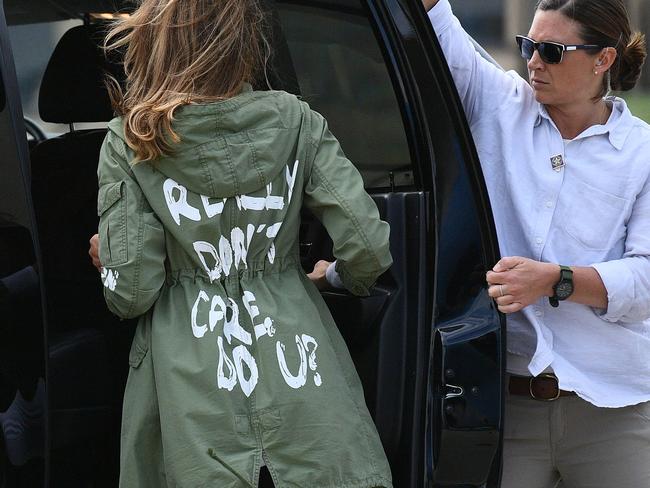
[[563, 288]]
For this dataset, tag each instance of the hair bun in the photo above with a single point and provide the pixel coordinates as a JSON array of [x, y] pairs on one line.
[[631, 63]]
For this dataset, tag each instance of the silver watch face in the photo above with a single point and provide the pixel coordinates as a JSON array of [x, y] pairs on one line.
[[563, 290]]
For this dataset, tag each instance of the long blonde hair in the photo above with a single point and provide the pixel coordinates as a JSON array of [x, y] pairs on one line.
[[179, 52]]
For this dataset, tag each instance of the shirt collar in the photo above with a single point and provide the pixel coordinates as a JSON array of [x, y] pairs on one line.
[[617, 128]]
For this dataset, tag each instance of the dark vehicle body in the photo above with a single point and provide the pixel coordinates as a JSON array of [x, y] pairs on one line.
[[428, 343]]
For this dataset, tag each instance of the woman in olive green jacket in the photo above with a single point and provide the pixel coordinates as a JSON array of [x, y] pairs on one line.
[[236, 361]]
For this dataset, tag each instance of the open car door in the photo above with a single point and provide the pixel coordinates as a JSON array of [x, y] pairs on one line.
[[63, 356], [428, 342], [23, 394]]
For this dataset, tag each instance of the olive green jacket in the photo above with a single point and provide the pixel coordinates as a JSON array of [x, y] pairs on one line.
[[236, 361]]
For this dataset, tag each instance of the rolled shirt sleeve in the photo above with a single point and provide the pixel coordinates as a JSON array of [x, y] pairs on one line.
[[482, 86], [627, 280]]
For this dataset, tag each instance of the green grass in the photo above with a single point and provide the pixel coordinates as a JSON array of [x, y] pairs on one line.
[[639, 103]]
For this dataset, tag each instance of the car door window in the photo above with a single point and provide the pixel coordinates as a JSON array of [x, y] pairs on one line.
[[342, 74]]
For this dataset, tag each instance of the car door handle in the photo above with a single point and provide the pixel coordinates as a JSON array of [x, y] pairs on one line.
[[453, 391]]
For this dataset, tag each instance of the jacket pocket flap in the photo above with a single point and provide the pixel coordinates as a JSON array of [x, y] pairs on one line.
[[108, 195]]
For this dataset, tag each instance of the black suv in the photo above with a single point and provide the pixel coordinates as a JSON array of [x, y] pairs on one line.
[[428, 343]]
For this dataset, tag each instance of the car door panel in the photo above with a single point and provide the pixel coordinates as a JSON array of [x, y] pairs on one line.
[[466, 396], [63, 340], [464, 414], [23, 394], [387, 332]]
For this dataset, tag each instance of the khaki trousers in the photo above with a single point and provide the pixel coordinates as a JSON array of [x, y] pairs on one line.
[[569, 443]]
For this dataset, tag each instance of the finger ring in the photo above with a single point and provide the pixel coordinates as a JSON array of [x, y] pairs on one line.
[[501, 290]]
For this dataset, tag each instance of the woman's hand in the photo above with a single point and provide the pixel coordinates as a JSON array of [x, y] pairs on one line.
[[318, 275], [93, 252], [429, 4], [517, 282]]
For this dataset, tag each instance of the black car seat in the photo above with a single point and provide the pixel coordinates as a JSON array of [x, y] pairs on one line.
[[64, 177], [88, 346]]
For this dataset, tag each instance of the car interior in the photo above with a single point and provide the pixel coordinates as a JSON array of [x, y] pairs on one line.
[[88, 346]]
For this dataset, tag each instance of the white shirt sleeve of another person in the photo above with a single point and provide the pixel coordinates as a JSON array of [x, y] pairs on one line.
[[627, 280], [482, 86]]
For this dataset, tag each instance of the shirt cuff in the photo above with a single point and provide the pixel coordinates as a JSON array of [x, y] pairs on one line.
[[617, 282], [441, 16], [333, 277]]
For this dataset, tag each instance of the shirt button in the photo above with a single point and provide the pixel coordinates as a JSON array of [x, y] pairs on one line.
[[549, 204], [539, 313], [539, 240]]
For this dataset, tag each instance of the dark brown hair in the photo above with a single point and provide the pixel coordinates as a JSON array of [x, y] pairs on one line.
[[180, 52], [607, 24]]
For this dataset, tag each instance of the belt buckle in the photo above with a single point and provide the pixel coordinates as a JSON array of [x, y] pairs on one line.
[[544, 375]]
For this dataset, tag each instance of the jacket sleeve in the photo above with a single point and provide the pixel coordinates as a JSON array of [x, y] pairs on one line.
[[334, 193], [483, 87], [131, 238], [627, 280]]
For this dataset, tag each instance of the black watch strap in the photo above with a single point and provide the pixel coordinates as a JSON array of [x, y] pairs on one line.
[[566, 280]]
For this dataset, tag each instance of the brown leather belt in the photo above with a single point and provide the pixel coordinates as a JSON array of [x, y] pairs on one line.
[[544, 387]]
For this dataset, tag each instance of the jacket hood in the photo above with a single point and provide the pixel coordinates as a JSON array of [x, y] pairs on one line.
[[231, 147]]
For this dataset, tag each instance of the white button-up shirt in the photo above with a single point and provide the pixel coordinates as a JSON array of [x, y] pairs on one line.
[[594, 211]]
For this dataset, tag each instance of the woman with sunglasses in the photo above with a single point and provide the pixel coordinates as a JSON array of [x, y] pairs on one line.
[[567, 169]]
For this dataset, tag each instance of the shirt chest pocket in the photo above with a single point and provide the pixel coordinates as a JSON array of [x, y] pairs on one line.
[[595, 219], [112, 211]]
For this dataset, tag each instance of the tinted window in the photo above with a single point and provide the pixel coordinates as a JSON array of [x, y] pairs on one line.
[[342, 74]]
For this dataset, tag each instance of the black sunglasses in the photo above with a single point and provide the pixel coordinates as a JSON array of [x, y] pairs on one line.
[[550, 52]]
